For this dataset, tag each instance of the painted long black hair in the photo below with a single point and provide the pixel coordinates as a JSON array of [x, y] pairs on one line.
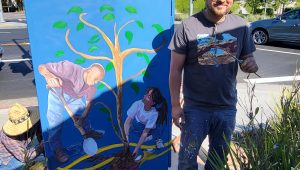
[[160, 105]]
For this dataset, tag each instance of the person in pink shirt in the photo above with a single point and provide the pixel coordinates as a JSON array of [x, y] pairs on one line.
[[77, 86], [21, 138]]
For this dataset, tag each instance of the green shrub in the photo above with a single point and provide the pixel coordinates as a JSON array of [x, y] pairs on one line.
[[180, 16], [235, 8], [199, 5], [274, 145], [270, 12]]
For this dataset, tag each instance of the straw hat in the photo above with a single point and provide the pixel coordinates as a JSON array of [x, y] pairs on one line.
[[19, 120]]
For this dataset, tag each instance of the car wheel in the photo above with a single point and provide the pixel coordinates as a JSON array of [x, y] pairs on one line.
[[260, 36]]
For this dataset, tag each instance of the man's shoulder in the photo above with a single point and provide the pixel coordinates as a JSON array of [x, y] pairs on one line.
[[237, 19], [192, 19]]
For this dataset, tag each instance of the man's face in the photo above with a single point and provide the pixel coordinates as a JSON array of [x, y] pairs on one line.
[[219, 7], [94, 76]]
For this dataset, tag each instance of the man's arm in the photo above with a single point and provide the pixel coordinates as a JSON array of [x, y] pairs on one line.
[[177, 62], [20, 151], [249, 64], [51, 79]]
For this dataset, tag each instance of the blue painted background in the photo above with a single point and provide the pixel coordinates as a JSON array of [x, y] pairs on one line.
[[48, 45]]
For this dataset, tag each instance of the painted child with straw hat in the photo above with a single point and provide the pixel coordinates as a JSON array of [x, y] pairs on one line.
[[17, 136]]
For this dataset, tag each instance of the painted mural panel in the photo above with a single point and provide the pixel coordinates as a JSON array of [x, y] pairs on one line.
[[101, 72]]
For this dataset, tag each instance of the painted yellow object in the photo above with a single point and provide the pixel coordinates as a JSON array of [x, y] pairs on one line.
[[147, 155]]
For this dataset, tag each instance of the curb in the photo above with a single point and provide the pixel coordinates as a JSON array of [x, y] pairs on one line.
[[12, 25], [27, 102]]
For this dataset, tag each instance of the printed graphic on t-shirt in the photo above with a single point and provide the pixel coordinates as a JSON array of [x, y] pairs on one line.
[[214, 50]]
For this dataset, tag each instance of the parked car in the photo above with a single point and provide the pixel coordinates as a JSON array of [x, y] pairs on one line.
[[285, 27]]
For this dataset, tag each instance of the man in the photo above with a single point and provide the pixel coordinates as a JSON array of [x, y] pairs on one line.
[[77, 86], [18, 138], [209, 46]]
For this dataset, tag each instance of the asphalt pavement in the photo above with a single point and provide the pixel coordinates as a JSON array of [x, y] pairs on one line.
[[266, 95]]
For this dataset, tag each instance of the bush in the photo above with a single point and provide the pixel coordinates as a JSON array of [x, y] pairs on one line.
[[235, 8], [180, 16], [274, 145], [288, 9], [270, 12]]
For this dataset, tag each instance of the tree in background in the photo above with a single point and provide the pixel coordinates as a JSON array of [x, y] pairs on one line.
[[199, 5], [253, 5], [235, 7], [182, 6]]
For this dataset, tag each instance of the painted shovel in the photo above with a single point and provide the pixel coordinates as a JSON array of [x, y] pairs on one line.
[[90, 146]]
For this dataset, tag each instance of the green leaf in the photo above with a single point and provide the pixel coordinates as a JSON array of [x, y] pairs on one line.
[[158, 28], [80, 26], [104, 110], [94, 39], [135, 87], [109, 119], [60, 25], [59, 53], [75, 9], [93, 48], [146, 74], [108, 17], [100, 86], [109, 67], [256, 110], [129, 36], [140, 24], [80, 61], [131, 9], [116, 128], [106, 7], [145, 56]]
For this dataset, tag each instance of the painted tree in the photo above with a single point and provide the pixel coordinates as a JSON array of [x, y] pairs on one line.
[[115, 62]]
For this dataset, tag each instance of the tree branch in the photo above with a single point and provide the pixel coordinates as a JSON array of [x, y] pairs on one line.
[[125, 53], [123, 26], [112, 122], [133, 76], [117, 45], [83, 54], [106, 39], [112, 90]]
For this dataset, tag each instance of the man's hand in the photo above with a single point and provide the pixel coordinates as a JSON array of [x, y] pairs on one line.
[[177, 116], [53, 82], [249, 65]]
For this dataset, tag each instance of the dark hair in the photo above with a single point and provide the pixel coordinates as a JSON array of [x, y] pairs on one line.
[[160, 105]]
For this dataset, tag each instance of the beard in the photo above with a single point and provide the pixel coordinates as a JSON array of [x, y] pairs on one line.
[[217, 12]]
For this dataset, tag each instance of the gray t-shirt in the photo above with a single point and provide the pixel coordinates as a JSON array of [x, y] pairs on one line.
[[210, 68]]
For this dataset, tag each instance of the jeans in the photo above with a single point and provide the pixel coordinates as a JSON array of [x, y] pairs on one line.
[[137, 128], [218, 125], [57, 114]]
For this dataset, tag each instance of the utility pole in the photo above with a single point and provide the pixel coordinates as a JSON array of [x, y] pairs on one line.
[[265, 9], [191, 7], [1, 12]]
